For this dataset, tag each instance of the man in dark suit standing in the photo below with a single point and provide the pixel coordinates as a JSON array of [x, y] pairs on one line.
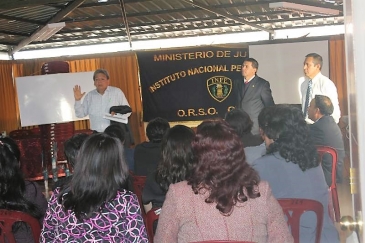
[[325, 131], [253, 92]]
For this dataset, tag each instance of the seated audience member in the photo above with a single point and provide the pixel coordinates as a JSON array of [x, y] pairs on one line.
[[148, 154], [174, 166], [223, 199], [292, 168], [94, 207], [241, 122], [326, 132], [253, 153], [71, 147], [16, 193], [117, 131]]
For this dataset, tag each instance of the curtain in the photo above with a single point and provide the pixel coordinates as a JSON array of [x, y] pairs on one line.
[[337, 66], [8, 109]]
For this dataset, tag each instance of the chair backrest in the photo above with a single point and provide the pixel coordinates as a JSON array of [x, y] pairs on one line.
[[294, 208], [322, 150], [9, 217], [138, 185], [334, 207], [151, 217]]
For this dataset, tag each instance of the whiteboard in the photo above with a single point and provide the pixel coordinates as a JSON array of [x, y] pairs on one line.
[[282, 65], [46, 99]]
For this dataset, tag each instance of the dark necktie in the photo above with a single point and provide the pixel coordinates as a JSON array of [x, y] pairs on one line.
[[246, 85], [309, 92]]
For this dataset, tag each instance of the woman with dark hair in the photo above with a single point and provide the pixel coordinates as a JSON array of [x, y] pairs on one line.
[[70, 147], [16, 193], [223, 199], [94, 206], [241, 122], [174, 166], [117, 131], [292, 168]]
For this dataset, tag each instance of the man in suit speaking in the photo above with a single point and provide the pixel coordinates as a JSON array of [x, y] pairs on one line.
[[253, 93]]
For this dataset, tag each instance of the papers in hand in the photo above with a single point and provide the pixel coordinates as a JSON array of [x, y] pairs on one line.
[[117, 117]]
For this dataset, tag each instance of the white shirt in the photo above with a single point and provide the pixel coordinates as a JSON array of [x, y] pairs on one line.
[[96, 106], [321, 85], [246, 81]]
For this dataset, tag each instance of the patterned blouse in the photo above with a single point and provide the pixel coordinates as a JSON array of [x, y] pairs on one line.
[[119, 220]]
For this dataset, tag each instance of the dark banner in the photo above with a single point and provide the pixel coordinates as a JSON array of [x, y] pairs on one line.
[[189, 84]]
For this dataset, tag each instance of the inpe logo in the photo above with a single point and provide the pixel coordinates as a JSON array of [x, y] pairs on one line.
[[219, 87]]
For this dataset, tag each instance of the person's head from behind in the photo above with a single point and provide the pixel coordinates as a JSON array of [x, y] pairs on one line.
[[312, 65], [177, 156], [263, 118], [101, 80], [320, 106], [240, 121], [249, 68], [220, 166], [9, 166], [286, 132], [115, 131], [99, 173], [72, 146], [12, 184], [156, 129]]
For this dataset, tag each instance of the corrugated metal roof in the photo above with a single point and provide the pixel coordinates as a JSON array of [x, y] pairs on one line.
[[93, 22]]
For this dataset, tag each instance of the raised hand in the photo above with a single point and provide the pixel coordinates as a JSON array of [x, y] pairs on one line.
[[77, 92]]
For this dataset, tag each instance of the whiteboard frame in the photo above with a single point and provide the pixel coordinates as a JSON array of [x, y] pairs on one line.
[[47, 99]]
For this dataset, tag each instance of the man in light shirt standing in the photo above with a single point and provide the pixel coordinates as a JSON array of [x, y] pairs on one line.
[[98, 102], [317, 84]]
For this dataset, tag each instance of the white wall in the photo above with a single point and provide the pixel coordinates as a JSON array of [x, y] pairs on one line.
[[4, 56], [282, 65]]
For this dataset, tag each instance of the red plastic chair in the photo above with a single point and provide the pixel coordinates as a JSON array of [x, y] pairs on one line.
[[294, 208], [335, 209], [151, 217], [138, 185], [9, 217]]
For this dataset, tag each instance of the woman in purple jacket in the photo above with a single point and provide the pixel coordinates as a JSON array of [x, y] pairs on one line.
[[94, 207]]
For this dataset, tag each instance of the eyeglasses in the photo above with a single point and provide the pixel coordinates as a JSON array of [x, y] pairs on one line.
[[100, 80]]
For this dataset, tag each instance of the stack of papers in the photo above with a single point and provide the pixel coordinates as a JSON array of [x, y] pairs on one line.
[[117, 117]]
